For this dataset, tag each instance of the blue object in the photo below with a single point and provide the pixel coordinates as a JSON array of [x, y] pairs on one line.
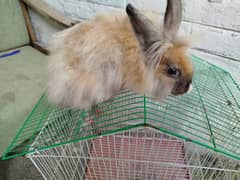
[[10, 54]]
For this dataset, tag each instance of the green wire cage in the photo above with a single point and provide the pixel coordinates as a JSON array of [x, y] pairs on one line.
[[194, 136]]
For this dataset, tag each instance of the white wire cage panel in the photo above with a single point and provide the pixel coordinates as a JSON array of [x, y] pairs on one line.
[[137, 154]]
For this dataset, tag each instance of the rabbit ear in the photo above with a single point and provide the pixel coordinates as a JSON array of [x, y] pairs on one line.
[[144, 30], [172, 18]]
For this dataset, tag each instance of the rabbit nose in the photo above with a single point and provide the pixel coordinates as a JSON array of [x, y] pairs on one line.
[[182, 87]]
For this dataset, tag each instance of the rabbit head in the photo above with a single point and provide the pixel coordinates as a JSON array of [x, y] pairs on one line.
[[164, 52]]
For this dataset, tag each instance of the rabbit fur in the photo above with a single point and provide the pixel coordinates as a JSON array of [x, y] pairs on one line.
[[96, 59]]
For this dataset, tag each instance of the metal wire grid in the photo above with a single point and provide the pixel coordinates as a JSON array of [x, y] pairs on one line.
[[141, 153], [204, 164], [56, 126], [209, 116], [131, 155]]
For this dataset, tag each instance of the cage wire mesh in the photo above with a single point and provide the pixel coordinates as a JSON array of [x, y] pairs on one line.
[[194, 136], [136, 154]]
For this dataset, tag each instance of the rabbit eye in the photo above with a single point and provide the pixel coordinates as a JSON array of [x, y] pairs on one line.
[[173, 71]]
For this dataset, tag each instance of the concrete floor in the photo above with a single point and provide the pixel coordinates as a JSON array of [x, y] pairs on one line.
[[19, 168], [22, 79]]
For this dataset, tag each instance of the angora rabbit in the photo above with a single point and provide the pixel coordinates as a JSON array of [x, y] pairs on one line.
[[96, 59]]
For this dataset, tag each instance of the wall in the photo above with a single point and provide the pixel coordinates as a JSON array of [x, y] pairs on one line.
[[217, 25]]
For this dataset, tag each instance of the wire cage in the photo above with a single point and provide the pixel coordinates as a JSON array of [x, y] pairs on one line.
[[137, 154], [132, 137]]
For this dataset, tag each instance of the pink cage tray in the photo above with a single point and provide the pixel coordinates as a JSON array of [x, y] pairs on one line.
[[132, 158]]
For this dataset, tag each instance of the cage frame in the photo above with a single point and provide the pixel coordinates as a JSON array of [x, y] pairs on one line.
[[94, 123]]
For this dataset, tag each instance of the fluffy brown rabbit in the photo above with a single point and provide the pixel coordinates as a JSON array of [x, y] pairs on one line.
[[96, 59]]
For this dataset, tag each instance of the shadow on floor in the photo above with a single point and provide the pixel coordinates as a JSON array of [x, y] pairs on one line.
[[19, 168]]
